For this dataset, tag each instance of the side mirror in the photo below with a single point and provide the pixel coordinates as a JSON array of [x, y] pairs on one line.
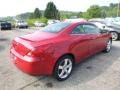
[[103, 27]]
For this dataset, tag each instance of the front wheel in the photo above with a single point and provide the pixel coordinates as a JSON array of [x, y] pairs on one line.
[[63, 68], [115, 36], [108, 46]]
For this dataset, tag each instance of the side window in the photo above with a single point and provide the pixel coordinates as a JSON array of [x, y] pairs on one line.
[[91, 29], [78, 30]]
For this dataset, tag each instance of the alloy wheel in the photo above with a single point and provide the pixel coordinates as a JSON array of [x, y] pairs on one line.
[[108, 47], [114, 35], [64, 68]]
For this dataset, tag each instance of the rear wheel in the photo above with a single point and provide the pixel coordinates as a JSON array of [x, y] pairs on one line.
[[115, 36], [108, 46], [63, 68]]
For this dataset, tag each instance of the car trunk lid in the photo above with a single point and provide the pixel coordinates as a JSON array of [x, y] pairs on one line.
[[38, 36]]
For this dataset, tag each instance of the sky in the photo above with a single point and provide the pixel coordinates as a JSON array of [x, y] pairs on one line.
[[14, 7]]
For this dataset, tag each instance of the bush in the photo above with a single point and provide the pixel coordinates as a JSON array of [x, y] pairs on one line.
[[44, 20], [32, 21]]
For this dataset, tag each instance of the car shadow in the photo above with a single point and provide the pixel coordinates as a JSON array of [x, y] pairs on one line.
[[3, 39], [87, 70]]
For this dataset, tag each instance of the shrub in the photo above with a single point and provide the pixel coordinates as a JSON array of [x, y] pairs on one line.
[[32, 21], [43, 20]]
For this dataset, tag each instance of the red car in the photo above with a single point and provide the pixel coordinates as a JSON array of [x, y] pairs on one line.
[[56, 48]]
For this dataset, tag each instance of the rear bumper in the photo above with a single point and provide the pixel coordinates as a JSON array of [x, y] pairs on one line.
[[22, 26], [30, 65]]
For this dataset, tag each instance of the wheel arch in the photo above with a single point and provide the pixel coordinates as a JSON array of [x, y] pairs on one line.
[[113, 31]]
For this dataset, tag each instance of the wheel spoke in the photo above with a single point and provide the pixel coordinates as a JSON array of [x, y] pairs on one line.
[[66, 71], [61, 74], [69, 65], [65, 62], [60, 67]]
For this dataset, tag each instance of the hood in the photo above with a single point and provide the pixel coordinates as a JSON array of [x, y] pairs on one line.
[[38, 36]]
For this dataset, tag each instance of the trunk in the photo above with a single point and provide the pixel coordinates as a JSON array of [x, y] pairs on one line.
[[38, 36]]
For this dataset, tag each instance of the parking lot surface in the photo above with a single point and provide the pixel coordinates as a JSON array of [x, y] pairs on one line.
[[99, 72]]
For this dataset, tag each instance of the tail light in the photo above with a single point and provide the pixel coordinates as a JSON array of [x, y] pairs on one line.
[[35, 53], [40, 51], [20, 48]]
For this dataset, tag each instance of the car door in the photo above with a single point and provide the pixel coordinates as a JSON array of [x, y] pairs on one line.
[[96, 38], [80, 43]]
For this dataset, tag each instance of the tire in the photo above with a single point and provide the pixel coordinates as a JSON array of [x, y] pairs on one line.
[[115, 36], [26, 27], [108, 46], [63, 68], [10, 28]]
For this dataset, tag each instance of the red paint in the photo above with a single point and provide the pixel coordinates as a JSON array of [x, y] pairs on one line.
[[46, 48]]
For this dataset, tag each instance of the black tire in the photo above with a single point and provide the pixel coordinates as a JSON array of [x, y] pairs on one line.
[[10, 28], [57, 70], [26, 27], [108, 48], [115, 37]]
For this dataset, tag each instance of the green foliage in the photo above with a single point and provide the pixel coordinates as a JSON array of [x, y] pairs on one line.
[[36, 14], [67, 14], [63, 17], [93, 12], [111, 10], [80, 14], [102, 12], [51, 11], [86, 15], [32, 21], [44, 20]]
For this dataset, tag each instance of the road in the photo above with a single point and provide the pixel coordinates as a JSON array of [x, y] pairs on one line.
[[99, 72]]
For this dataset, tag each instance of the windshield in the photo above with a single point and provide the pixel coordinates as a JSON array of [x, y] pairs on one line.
[[55, 28], [20, 21]]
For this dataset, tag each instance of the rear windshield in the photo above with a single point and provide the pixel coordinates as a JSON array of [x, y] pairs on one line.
[[55, 28]]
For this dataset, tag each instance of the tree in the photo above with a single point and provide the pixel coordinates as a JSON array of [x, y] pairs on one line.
[[36, 14], [86, 15], [80, 14], [103, 14], [51, 12], [94, 12]]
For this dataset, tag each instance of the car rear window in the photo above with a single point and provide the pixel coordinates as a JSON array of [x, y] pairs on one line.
[[55, 28]]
